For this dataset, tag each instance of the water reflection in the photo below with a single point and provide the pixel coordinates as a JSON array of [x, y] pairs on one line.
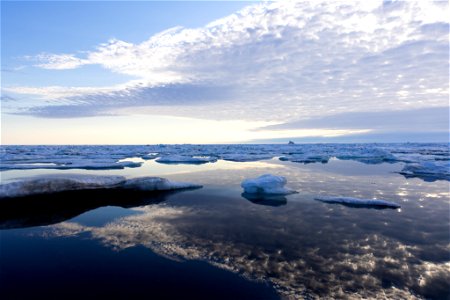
[[148, 168], [269, 200], [41, 210], [299, 256]]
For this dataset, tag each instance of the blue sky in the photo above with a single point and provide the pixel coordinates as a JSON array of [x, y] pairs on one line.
[[223, 72]]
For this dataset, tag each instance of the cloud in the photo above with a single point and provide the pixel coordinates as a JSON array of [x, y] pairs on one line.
[[417, 120], [280, 61], [7, 98], [59, 61]]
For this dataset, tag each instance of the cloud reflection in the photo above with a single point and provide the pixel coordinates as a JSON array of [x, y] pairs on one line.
[[299, 260]]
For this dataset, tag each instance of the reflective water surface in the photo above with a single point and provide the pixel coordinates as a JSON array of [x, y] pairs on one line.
[[216, 242]]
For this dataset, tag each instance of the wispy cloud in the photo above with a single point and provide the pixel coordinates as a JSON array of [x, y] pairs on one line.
[[279, 61], [59, 61]]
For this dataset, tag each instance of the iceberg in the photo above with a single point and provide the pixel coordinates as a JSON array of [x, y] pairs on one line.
[[356, 202], [181, 159], [71, 182], [266, 184]]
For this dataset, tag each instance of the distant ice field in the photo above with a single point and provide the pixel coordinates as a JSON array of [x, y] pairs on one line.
[[426, 161]]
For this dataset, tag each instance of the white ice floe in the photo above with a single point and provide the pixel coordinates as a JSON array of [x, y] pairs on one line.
[[60, 183], [71, 182], [74, 164], [428, 170], [244, 157], [266, 184], [181, 159], [306, 158], [358, 202]]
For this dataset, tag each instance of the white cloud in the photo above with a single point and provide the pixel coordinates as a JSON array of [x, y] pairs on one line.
[[59, 61], [275, 61]]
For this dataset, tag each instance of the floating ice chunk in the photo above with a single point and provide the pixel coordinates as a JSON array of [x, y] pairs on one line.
[[243, 157], [182, 159], [72, 182], [367, 155], [58, 183], [156, 184], [82, 164], [149, 156], [306, 159], [266, 184], [358, 202], [428, 170]]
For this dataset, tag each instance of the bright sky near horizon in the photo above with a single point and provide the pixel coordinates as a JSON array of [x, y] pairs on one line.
[[224, 72]]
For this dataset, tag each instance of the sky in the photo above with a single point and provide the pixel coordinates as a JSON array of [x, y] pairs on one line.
[[105, 72]]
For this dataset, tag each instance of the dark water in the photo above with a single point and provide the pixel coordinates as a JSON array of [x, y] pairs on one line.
[[215, 243]]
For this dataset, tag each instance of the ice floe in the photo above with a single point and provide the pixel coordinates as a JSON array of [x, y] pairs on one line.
[[266, 184], [358, 202], [181, 159], [244, 157], [428, 170], [71, 182]]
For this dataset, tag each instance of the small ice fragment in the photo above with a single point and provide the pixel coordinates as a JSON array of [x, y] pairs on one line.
[[266, 184], [428, 170], [358, 202], [181, 159]]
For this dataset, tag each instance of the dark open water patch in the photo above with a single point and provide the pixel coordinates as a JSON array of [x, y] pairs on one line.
[[69, 268], [48, 209]]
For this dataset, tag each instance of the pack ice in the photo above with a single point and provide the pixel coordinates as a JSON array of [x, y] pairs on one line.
[[428, 161]]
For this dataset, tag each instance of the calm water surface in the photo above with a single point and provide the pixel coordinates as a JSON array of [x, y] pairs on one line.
[[213, 243]]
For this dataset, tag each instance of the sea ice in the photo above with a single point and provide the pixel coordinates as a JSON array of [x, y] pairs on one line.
[[428, 170], [181, 159], [71, 182], [58, 183], [266, 184], [358, 202], [243, 157], [415, 155]]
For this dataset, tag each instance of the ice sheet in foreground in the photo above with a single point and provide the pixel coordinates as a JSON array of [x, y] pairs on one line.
[[266, 184], [72, 182], [358, 202]]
